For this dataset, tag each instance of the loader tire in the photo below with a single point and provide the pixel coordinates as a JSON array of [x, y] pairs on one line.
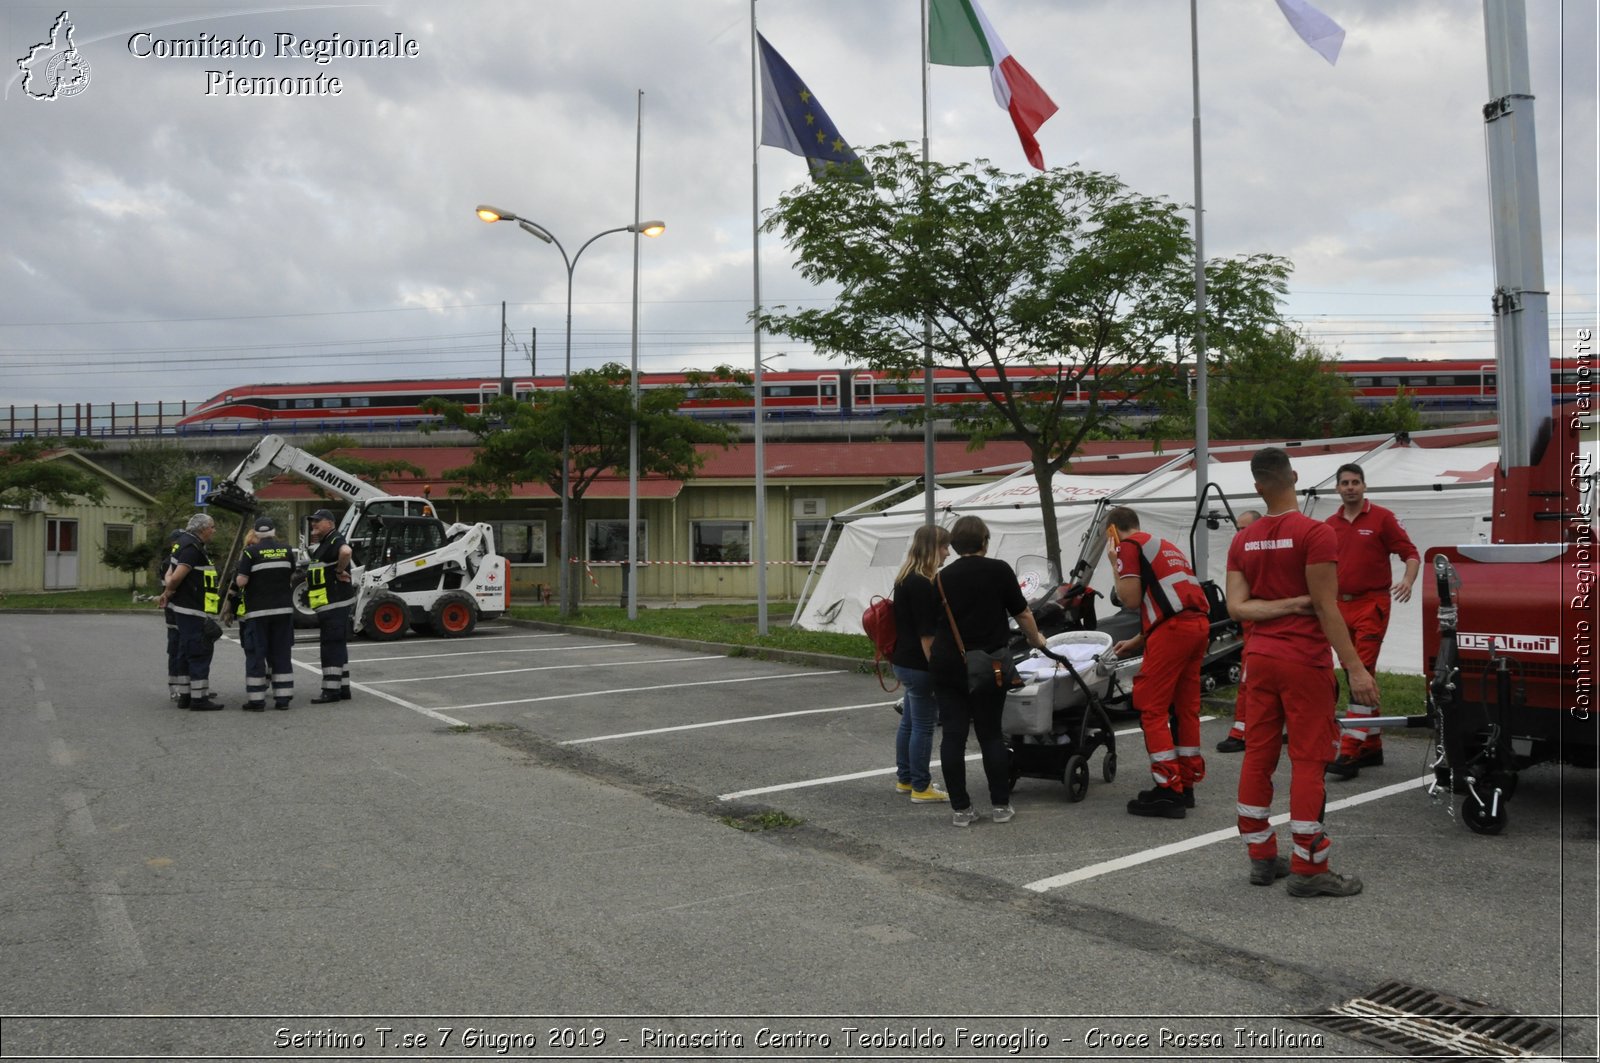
[[454, 615], [385, 618], [304, 617]]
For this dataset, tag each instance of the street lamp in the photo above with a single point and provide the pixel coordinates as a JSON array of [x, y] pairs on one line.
[[648, 228]]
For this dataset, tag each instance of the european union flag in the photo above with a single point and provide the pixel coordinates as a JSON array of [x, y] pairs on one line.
[[792, 119]]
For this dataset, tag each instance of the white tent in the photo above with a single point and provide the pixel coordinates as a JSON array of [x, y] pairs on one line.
[[1442, 496]]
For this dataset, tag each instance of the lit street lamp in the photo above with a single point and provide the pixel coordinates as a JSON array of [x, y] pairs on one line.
[[648, 228]]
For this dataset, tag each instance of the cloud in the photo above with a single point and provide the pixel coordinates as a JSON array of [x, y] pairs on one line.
[[165, 243]]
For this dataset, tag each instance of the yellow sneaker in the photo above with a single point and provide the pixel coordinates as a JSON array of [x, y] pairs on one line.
[[903, 787], [932, 793]]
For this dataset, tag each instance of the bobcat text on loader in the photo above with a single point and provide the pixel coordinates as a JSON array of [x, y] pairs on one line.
[[1508, 624], [409, 569]]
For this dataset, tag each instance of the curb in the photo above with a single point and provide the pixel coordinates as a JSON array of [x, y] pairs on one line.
[[727, 649]]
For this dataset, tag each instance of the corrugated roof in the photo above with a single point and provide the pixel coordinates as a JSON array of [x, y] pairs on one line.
[[870, 461]]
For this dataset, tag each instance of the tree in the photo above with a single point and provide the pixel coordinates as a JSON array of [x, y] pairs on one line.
[[1279, 386], [1068, 270], [28, 470], [134, 559], [520, 441]]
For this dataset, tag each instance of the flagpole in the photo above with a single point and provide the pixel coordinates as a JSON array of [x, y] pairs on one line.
[[927, 322], [760, 533], [1202, 415], [631, 590]]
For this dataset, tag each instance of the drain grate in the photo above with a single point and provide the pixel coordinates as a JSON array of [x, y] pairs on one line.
[[1427, 1025]]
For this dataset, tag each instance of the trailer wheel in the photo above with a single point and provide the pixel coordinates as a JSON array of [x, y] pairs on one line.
[[385, 618], [1480, 819], [1076, 776], [454, 615]]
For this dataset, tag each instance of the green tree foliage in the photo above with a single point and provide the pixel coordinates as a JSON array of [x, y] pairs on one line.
[[520, 441], [136, 559], [1279, 386], [28, 470], [1068, 270], [166, 472]]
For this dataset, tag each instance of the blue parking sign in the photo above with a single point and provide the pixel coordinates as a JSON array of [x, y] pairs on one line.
[[202, 487]]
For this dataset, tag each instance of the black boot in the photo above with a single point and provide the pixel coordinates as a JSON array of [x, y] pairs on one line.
[[326, 697], [1158, 801]]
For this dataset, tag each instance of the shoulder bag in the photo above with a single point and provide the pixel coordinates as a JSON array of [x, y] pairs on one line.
[[985, 670]]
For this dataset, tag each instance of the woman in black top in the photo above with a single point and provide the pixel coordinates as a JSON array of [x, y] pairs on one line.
[[916, 615], [980, 593]]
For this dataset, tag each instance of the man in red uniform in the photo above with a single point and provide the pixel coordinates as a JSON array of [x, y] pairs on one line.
[[1234, 742], [1176, 621], [1367, 535], [1281, 578]]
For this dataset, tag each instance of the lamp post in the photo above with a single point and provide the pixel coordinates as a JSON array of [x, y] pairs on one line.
[[648, 228]]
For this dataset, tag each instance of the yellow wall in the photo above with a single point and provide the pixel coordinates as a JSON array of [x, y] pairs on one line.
[[668, 539], [25, 574]]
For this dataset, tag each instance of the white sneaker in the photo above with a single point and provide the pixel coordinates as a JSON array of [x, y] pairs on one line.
[[965, 817], [1003, 813]]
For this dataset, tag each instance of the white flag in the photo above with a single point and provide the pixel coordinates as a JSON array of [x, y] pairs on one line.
[[1315, 28]]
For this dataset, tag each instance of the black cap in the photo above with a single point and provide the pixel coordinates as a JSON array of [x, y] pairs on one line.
[[321, 514], [265, 526]]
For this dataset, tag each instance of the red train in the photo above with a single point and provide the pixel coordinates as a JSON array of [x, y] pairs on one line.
[[813, 392]]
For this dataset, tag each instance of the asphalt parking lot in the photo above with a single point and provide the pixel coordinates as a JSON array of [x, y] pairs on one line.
[[532, 822]]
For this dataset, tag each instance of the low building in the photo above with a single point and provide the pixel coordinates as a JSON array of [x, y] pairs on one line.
[[695, 537], [45, 547]]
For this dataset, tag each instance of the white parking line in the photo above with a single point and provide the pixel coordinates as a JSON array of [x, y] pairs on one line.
[[637, 690], [724, 723], [853, 776], [1200, 841], [478, 653], [737, 794], [386, 696], [549, 668]]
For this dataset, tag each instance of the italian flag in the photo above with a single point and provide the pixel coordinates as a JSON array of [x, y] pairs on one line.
[[959, 34]]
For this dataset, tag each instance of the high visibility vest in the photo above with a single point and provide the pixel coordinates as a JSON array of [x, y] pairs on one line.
[[197, 595], [213, 599], [317, 577]]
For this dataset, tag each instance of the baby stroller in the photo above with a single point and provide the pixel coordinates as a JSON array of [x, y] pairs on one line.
[[1056, 720]]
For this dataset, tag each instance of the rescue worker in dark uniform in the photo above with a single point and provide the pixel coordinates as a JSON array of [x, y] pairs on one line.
[[191, 589], [266, 570], [233, 612], [177, 680], [331, 596]]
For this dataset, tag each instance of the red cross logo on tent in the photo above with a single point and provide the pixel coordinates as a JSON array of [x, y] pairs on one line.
[[1465, 476]]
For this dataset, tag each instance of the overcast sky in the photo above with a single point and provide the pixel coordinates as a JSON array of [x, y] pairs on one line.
[[163, 243]]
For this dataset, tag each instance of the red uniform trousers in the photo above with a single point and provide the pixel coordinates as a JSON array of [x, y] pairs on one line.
[[1303, 696], [1367, 617], [1240, 712], [1169, 679]]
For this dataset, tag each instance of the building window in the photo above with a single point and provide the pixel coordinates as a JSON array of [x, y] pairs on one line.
[[119, 537], [608, 540], [521, 541], [808, 540], [719, 540], [5, 543]]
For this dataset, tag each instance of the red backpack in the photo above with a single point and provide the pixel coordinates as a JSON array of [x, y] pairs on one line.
[[878, 623]]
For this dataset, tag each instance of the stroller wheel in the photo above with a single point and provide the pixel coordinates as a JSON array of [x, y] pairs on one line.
[[1108, 767], [1076, 776]]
